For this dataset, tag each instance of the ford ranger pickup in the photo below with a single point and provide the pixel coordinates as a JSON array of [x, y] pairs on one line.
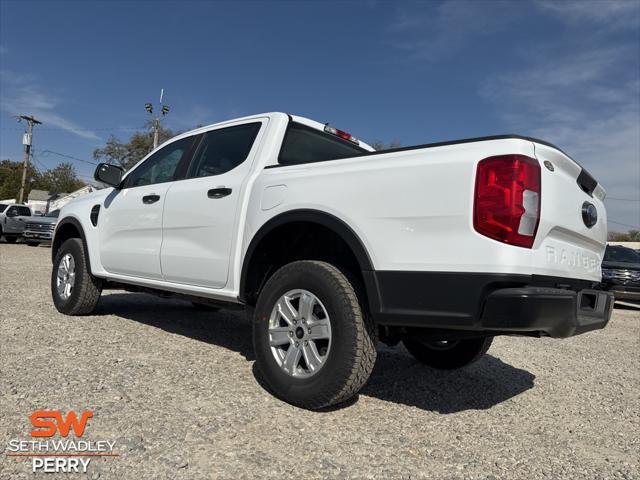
[[332, 246]]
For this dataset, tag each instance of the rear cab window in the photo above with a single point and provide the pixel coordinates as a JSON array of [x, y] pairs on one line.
[[2, 207], [304, 144]]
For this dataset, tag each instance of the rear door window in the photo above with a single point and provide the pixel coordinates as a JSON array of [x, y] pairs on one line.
[[304, 144], [223, 150]]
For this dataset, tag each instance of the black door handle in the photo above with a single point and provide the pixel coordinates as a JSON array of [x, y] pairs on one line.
[[219, 192], [147, 199]]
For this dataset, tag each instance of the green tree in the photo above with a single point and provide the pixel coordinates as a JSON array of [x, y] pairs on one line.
[[380, 145], [128, 154], [630, 236], [11, 176], [62, 178]]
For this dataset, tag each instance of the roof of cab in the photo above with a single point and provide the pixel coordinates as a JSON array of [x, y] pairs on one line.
[[296, 118]]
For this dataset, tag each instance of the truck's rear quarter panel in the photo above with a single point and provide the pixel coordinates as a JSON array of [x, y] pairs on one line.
[[413, 209]]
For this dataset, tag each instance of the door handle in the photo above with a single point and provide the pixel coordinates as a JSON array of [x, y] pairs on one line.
[[219, 192], [147, 199]]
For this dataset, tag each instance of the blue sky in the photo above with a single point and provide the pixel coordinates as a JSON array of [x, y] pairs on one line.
[[567, 72]]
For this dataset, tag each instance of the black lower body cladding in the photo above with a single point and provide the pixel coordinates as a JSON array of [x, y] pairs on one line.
[[487, 302]]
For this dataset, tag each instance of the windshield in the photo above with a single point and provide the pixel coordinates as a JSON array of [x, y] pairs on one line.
[[2, 207], [621, 254], [54, 213]]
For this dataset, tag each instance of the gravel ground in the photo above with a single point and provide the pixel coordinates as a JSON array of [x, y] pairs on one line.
[[176, 388]]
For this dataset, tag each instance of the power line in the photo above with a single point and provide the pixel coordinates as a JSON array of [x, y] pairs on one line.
[[623, 199], [39, 163], [623, 224], [44, 153], [81, 129]]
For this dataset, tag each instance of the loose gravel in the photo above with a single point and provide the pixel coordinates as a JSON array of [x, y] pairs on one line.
[[176, 388]]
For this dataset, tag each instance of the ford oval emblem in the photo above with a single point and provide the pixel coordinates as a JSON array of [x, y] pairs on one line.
[[589, 214]]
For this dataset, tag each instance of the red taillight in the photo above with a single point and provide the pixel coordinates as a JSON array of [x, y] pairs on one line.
[[507, 199], [339, 133]]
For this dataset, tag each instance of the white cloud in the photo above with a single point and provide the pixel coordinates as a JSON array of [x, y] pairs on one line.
[[587, 101], [578, 87], [20, 94], [191, 117], [605, 13], [433, 33]]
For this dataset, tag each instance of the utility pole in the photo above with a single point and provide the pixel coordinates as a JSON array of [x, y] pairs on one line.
[[164, 109], [27, 142]]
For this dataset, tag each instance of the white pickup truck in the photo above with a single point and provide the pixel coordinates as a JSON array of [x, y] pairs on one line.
[[13, 220], [333, 246]]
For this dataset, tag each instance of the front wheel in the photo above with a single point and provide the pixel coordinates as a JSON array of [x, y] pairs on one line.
[[314, 344], [447, 354], [10, 239], [33, 244], [74, 290]]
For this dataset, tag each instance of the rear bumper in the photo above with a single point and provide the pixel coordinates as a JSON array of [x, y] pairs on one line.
[[554, 312], [496, 303]]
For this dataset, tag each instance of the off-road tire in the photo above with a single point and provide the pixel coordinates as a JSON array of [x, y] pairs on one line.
[[352, 354], [33, 244], [87, 288], [460, 354], [10, 239]]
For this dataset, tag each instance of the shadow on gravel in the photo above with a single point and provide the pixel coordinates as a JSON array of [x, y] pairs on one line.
[[225, 328], [397, 377], [626, 306]]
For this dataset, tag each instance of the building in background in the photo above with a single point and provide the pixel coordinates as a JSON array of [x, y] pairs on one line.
[[61, 201], [43, 202], [40, 200]]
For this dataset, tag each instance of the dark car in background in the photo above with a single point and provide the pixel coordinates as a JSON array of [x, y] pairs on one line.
[[621, 273], [40, 229]]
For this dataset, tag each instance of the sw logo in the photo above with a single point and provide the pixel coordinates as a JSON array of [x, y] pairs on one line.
[[61, 455], [39, 419]]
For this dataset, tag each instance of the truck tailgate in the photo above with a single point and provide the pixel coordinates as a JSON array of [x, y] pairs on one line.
[[565, 243]]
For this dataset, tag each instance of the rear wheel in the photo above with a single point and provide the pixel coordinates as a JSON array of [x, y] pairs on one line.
[[314, 344], [447, 354], [74, 290]]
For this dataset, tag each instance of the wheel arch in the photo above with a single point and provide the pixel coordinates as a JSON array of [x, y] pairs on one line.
[[306, 216], [69, 227]]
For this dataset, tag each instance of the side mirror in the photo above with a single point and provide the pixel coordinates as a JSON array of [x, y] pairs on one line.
[[109, 174]]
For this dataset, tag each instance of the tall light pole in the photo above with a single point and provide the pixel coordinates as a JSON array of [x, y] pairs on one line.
[[27, 142], [164, 109]]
